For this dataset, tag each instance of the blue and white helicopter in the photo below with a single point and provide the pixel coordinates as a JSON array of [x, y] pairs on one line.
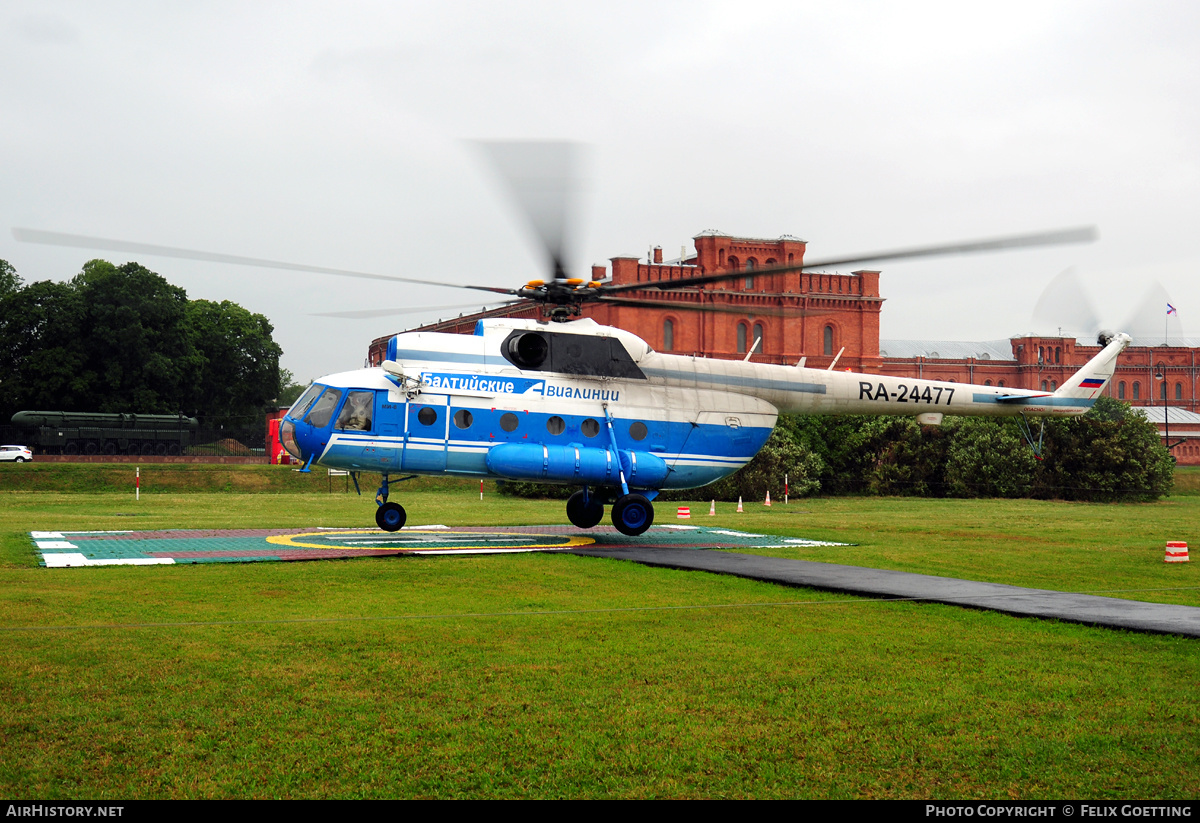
[[582, 404], [568, 401]]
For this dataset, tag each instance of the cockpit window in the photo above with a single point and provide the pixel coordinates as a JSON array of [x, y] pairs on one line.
[[301, 406], [356, 414], [323, 409]]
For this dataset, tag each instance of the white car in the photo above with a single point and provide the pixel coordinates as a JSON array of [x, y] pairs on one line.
[[18, 453]]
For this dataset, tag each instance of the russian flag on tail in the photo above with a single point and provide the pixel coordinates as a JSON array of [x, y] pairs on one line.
[[1092, 383]]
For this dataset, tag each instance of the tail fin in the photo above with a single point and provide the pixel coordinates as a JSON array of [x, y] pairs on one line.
[[1088, 382]]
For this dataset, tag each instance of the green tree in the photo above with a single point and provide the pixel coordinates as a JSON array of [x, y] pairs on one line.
[[236, 373], [781, 455], [121, 338], [1111, 453], [988, 458], [10, 281], [137, 344]]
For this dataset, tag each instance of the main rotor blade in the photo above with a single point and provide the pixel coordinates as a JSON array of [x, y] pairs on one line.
[[1051, 238], [720, 308], [54, 238], [543, 179], [366, 314]]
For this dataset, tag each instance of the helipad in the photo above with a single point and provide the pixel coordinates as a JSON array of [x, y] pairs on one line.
[[116, 548]]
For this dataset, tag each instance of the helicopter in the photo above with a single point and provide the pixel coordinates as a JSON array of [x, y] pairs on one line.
[[565, 400]]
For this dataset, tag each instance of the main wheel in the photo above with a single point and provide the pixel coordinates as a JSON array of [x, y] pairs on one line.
[[584, 514], [390, 517], [632, 514]]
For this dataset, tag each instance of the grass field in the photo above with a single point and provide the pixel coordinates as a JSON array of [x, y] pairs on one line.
[[560, 676]]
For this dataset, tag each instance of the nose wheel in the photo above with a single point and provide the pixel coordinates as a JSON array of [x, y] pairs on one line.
[[390, 517]]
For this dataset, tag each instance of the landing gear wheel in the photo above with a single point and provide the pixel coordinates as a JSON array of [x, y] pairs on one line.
[[584, 514], [390, 517], [632, 514]]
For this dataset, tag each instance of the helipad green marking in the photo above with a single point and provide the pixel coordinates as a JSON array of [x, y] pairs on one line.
[[212, 546]]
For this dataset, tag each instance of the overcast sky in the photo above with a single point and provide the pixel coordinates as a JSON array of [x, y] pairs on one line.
[[332, 134]]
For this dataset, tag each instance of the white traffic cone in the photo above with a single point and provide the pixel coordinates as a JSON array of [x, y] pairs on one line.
[[768, 500], [739, 504], [712, 508]]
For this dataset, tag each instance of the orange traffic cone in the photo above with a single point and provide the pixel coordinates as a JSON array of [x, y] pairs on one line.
[[739, 504], [768, 500], [1176, 553], [712, 508]]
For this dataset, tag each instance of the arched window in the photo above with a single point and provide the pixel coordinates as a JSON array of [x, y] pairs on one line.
[[1137, 391], [741, 338], [828, 349], [1057, 355], [1053, 385], [751, 265], [1045, 386], [1000, 384], [761, 336], [1178, 391], [733, 263], [721, 258], [1121, 390], [987, 382], [668, 335], [1162, 393]]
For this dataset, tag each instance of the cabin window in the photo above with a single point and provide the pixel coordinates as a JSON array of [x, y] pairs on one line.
[[760, 336], [741, 338], [323, 409], [1121, 390], [356, 414], [463, 419], [508, 421], [828, 342], [668, 335], [590, 427], [556, 425], [638, 430], [1137, 391], [427, 416]]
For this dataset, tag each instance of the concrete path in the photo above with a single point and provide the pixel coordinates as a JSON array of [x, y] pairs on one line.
[[1091, 610]]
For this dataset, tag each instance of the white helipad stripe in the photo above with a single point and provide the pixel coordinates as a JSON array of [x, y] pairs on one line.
[[55, 544], [44, 535], [68, 559]]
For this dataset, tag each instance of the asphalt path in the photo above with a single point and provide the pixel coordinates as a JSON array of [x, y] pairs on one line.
[[1088, 609]]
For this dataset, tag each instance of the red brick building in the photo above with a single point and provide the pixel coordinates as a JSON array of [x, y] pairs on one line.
[[832, 313]]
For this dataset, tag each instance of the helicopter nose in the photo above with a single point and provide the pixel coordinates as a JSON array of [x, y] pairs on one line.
[[287, 437]]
